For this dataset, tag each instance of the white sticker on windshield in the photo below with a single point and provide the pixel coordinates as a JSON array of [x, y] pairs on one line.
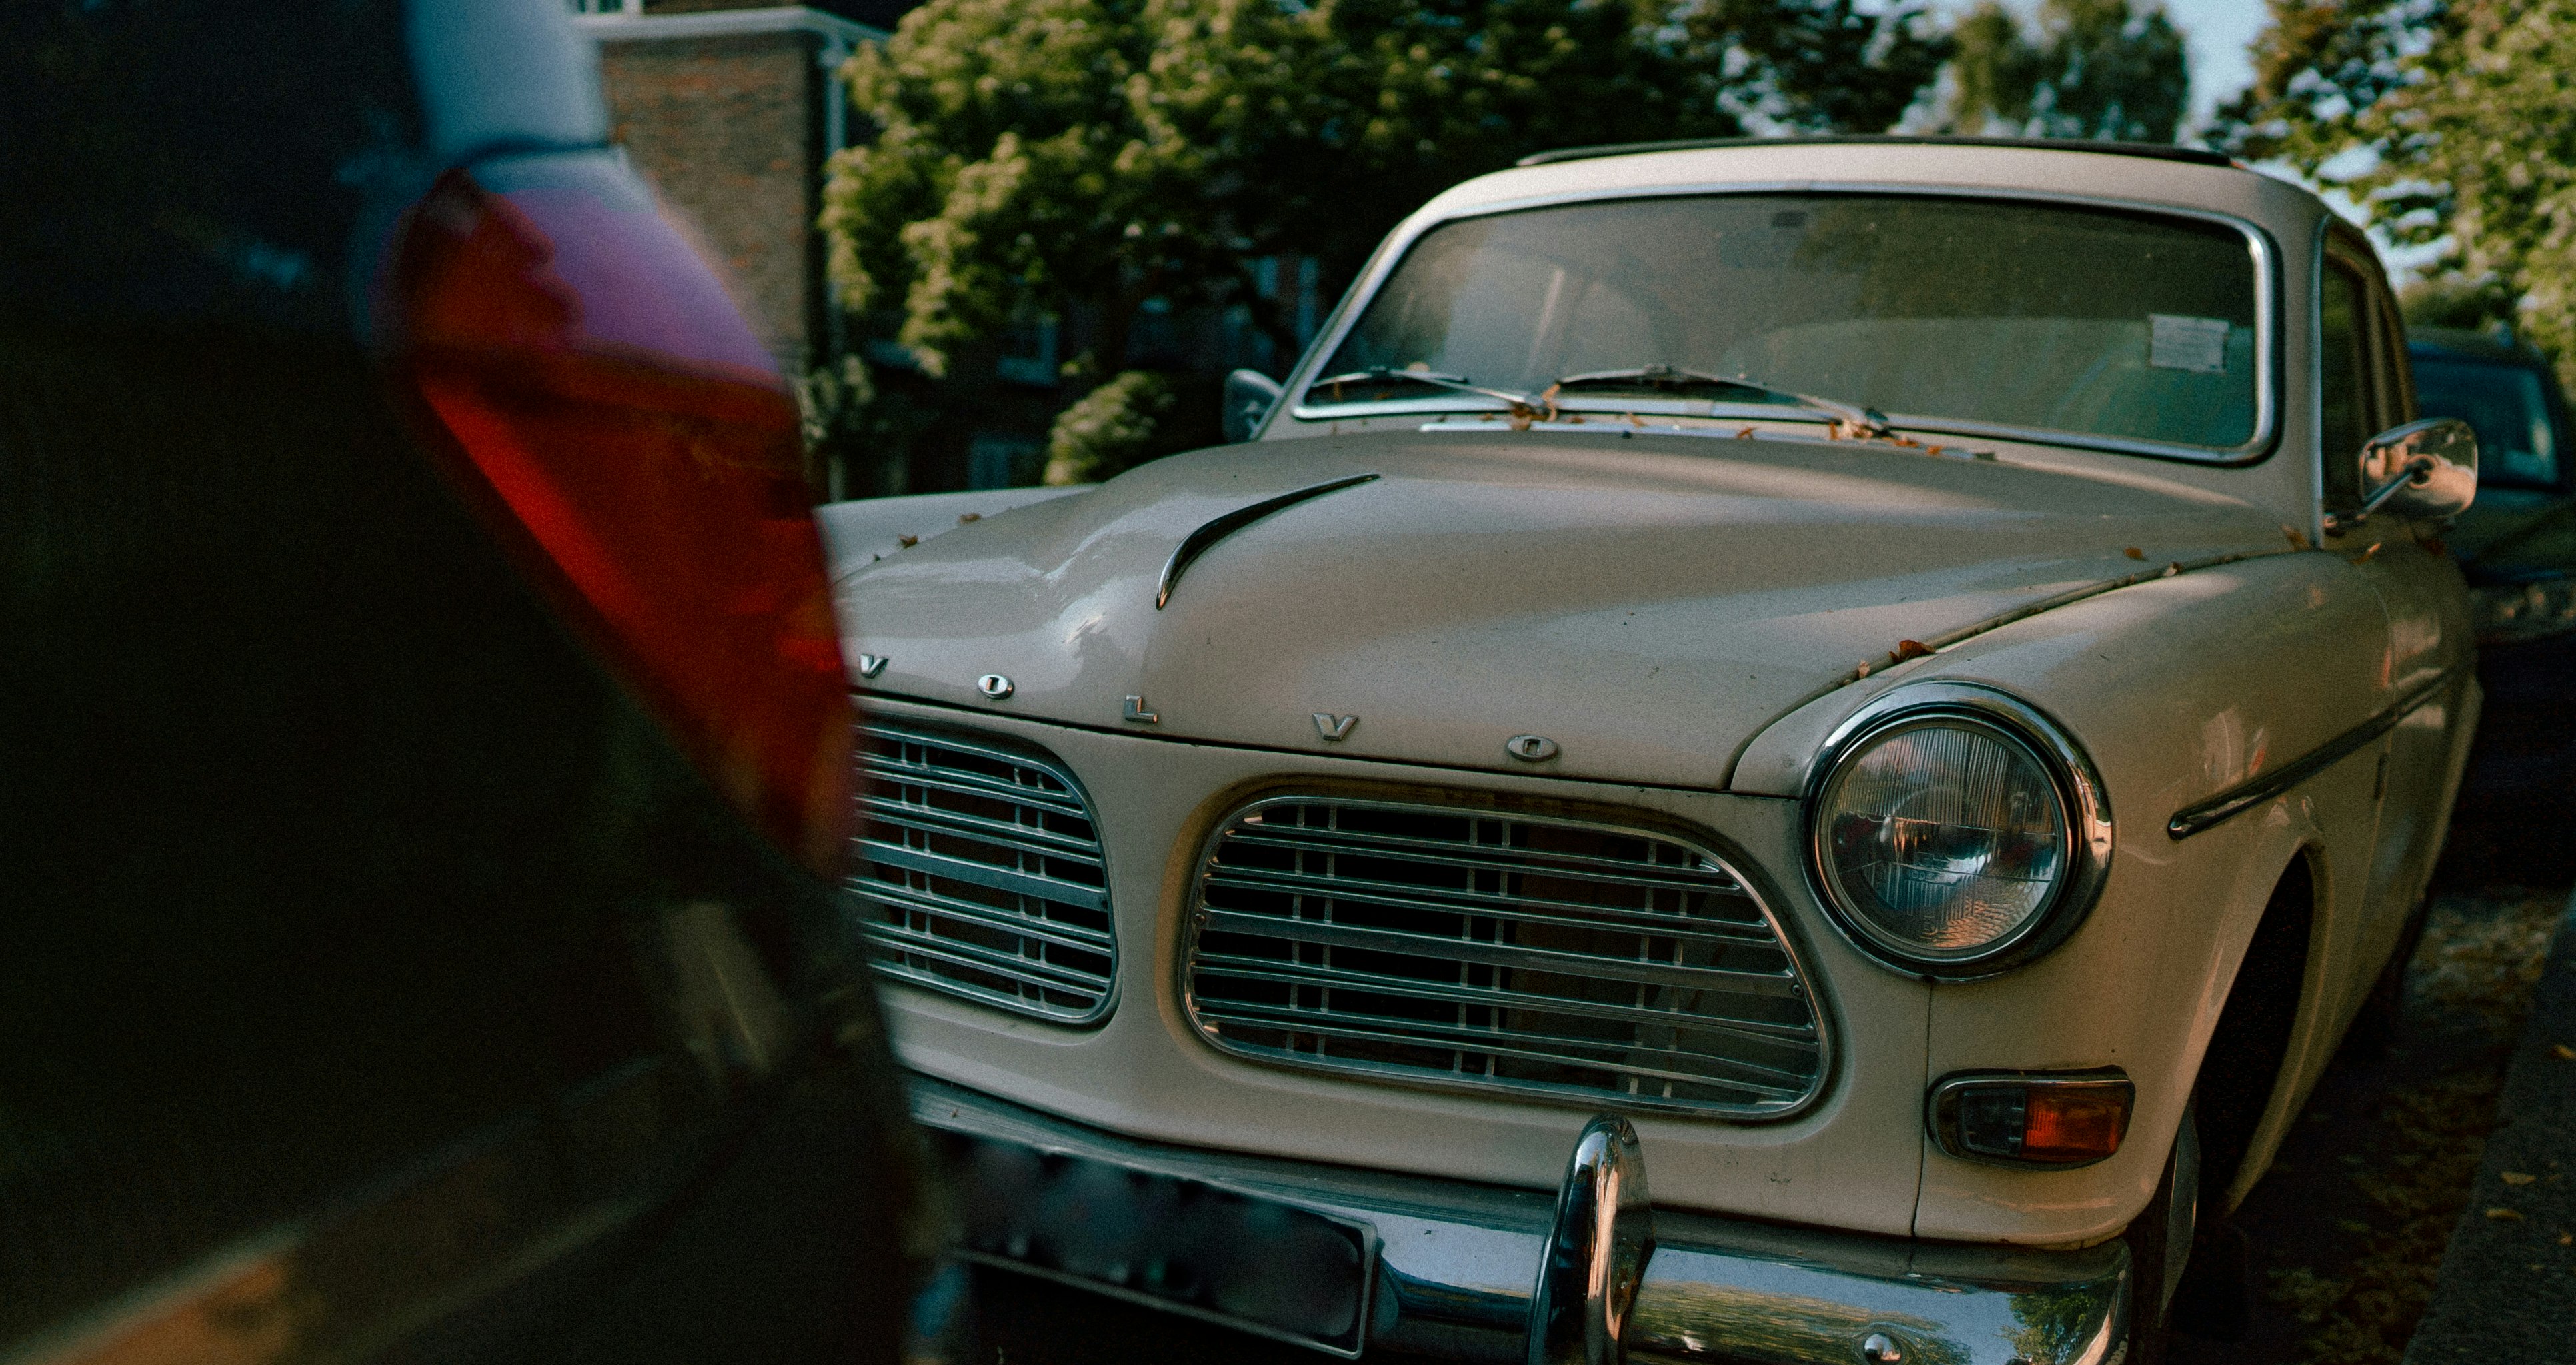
[[2175, 342]]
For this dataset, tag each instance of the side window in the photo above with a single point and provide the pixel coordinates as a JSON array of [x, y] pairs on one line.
[[2397, 373], [2344, 407]]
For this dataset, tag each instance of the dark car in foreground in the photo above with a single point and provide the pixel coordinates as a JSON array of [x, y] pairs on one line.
[[423, 738]]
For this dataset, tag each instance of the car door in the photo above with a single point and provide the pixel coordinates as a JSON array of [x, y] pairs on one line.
[[2365, 388]]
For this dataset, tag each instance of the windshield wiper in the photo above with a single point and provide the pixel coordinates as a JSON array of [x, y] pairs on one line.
[[1868, 421], [1378, 374]]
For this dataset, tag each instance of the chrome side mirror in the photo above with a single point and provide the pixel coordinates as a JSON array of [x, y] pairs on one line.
[[1249, 396], [2424, 471]]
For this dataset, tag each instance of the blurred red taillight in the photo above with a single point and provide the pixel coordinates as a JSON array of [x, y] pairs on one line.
[[618, 421]]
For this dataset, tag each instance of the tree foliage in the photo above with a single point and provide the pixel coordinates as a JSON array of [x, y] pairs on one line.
[[2448, 123], [2092, 69], [1082, 158]]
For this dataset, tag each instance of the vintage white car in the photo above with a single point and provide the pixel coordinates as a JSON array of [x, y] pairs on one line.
[[1889, 684]]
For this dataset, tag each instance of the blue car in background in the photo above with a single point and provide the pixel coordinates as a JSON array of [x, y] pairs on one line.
[[2517, 545]]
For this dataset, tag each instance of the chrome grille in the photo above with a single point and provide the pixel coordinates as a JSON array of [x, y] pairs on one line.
[[979, 873], [1494, 950]]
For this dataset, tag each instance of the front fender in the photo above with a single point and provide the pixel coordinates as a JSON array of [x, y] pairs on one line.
[[2177, 688]]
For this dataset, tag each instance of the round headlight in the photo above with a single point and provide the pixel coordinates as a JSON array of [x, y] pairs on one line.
[[1956, 844]]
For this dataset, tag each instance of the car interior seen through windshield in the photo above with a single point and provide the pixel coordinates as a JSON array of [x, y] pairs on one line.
[[2007, 313]]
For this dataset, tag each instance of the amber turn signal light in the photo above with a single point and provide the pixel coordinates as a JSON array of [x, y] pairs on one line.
[[2047, 1119]]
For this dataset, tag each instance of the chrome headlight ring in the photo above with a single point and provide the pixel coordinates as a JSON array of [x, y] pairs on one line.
[[1989, 712]]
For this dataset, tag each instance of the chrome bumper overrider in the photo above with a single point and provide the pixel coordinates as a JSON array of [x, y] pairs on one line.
[[1450, 1269]]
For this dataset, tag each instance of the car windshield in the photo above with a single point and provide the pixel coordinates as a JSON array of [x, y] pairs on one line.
[[2507, 407], [1990, 312]]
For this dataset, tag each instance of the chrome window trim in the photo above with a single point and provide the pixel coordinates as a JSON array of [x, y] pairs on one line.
[[1812, 986], [2260, 246], [2080, 790]]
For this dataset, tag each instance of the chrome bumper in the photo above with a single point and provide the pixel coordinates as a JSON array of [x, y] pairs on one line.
[[1451, 1269]]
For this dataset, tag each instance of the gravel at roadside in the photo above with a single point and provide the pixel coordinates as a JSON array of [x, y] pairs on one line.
[[2506, 1289]]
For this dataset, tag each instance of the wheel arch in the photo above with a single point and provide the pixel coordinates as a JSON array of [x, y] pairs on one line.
[[2250, 1082]]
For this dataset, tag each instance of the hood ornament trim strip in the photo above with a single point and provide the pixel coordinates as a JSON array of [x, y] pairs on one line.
[[1200, 541]]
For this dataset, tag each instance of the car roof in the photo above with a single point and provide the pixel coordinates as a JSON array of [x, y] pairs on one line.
[[2115, 173], [2160, 151]]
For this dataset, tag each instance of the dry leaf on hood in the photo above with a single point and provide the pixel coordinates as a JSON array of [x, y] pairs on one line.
[[907, 542], [1912, 649], [2134, 552], [2298, 538], [970, 516]]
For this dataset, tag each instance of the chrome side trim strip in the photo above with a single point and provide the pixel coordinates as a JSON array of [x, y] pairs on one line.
[[1200, 541], [2254, 791]]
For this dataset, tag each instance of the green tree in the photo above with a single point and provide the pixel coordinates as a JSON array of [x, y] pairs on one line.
[[2092, 69], [2449, 124], [1082, 158], [1816, 65]]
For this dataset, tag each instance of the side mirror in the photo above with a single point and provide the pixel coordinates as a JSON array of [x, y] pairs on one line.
[[1249, 396], [2424, 471]]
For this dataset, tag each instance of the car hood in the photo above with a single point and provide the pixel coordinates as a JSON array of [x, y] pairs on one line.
[[1646, 603]]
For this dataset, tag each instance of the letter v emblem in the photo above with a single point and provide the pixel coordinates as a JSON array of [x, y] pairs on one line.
[[1334, 727]]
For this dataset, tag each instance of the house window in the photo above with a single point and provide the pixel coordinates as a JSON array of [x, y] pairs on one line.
[[1029, 354]]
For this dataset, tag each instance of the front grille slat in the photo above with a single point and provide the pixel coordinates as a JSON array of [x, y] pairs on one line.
[[998, 878], [903, 897], [1425, 851], [1524, 909], [880, 811], [1327, 934], [1655, 1063], [980, 873], [967, 784], [1561, 958], [1789, 1035]]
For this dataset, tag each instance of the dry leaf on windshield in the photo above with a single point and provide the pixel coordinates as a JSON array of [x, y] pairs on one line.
[[907, 542]]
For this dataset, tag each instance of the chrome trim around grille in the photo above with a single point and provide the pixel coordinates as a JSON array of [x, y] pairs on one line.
[[979, 873], [1461, 946]]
